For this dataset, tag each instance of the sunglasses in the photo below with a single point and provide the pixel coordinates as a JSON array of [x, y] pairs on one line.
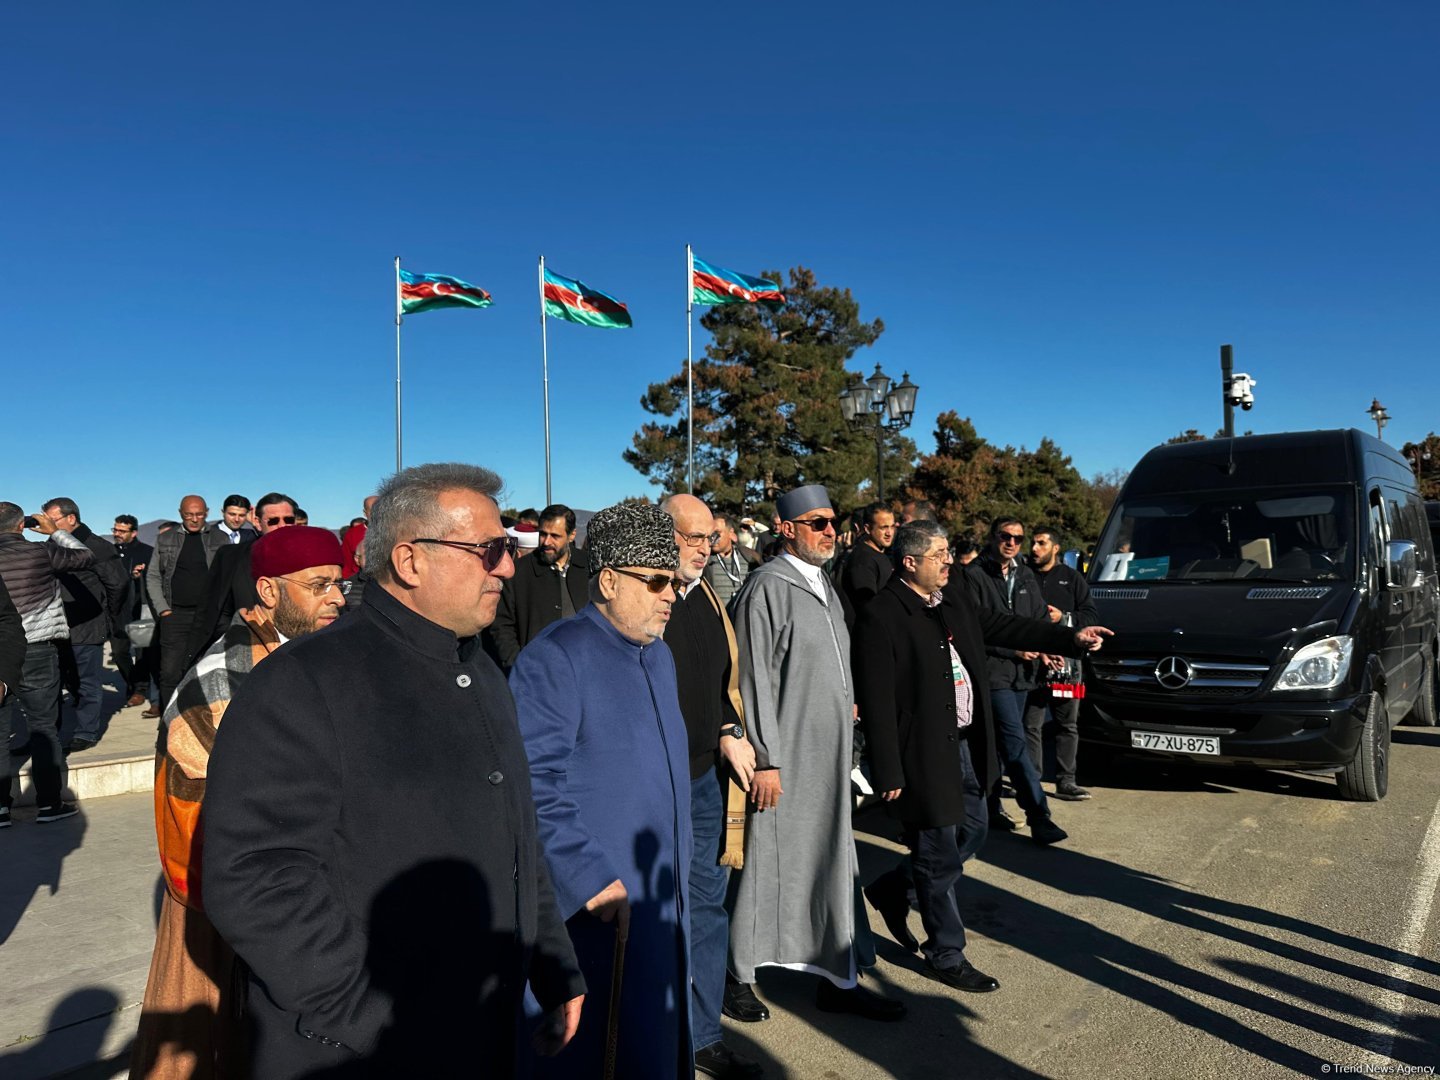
[[818, 524], [490, 552], [1012, 538], [656, 583], [289, 519]]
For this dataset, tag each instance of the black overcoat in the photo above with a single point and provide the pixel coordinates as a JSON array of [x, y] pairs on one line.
[[371, 854], [531, 601], [906, 694]]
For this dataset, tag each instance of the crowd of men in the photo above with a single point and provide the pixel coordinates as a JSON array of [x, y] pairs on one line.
[[473, 779]]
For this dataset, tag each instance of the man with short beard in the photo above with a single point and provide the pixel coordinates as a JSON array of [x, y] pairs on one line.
[[187, 1022], [543, 589], [795, 904]]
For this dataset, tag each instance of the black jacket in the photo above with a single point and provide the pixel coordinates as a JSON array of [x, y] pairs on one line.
[[1067, 590], [987, 589], [230, 588], [906, 694], [865, 572], [12, 643], [371, 853], [135, 553], [531, 602], [696, 636], [94, 596]]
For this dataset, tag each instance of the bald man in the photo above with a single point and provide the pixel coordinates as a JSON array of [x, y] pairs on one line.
[[177, 580], [703, 643]]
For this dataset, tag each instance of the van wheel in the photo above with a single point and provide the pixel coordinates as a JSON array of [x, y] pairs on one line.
[[1422, 714], [1367, 777]]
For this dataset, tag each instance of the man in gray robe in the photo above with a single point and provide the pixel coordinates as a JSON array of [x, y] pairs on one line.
[[793, 905]]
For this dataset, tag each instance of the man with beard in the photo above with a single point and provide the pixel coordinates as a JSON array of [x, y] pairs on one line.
[[867, 567], [795, 905], [188, 1020], [600, 713], [370, 850], [543, 589]]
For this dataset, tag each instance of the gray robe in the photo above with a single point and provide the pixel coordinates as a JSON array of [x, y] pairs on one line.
[[794, 902]]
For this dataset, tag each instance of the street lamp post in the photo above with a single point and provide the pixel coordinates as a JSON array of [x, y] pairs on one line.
[[1380, 416], [875, 402]]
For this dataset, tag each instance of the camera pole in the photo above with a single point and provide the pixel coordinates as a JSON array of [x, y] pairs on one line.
[[1227, 369]]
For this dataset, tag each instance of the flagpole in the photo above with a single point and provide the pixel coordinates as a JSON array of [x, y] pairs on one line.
[[689, 370], [398, 461], [545, 375]]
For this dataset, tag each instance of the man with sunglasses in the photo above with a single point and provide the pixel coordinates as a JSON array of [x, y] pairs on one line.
[[187, 1019], [230, 585], [371, 851], [795, 902], [1000, 581], [546, 587], [599, 709]]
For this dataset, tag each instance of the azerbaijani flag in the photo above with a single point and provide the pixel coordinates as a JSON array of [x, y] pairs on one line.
[[421, 292], [566, 298], [716, 285]]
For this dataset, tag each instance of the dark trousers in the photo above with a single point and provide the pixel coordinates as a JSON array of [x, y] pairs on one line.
[[174, 633], [940, 857], [38, 696], [90, 663], [1009, 708], [1066, 712], [709, 923], [135, 665]]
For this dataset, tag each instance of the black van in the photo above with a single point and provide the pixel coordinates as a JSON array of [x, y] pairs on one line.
[[1274, 599]]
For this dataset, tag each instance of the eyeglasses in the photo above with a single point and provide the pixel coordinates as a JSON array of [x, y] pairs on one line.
[[940, 556], [289, 519], [656, 583], [319, 588], [1010, 538], [491, 552], [818, 524], [696, 539]]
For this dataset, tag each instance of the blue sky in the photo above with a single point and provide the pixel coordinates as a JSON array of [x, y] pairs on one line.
[[1059, 210]]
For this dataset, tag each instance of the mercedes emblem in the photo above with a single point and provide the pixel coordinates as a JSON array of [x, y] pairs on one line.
[[1174, 673]]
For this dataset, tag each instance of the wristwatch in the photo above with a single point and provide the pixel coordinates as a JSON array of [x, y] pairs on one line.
[[735, 731]]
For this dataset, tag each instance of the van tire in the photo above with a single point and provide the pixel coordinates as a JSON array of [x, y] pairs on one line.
[[1367, 777], [1422, 713]]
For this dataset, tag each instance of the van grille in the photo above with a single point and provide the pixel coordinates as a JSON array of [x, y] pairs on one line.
[[1210, 677], [1101, 593], [1292, 592]]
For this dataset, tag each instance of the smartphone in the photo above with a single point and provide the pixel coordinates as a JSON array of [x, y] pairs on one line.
[[31, 523]]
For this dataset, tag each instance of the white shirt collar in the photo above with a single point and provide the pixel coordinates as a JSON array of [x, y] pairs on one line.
[[814, 575]]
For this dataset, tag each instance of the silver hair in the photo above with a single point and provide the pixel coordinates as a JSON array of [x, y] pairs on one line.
[[914, 539], [408, 506]]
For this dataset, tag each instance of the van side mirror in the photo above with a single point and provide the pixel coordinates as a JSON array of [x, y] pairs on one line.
[[1071, 558], [1402, 565]]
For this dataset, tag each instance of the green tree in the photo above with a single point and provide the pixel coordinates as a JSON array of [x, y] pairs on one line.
[[767, 409], [1424, 458], [971, 483]]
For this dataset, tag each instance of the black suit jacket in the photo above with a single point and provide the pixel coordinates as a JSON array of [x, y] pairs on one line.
[[865, 572], [135, 553], [231, 588], [906, 694], [531, 602]]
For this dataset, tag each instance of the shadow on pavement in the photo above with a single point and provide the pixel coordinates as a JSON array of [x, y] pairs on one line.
[[71, 1034], [34, 857]]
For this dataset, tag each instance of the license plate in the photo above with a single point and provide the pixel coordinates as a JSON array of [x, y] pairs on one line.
[[1175, 744]]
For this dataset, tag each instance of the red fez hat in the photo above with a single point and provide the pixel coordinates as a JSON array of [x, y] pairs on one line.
[[296, 547]]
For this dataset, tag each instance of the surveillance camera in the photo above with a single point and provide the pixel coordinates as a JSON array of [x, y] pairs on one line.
[[1247, 405], [1241, 391]]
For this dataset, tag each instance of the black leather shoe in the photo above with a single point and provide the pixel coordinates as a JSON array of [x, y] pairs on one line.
[[857, 1002], [888, 895], [741, 1004], [1070, 791], [75, 746], [1045, 831], [719, 1060], [965, 977], [1002, 822]]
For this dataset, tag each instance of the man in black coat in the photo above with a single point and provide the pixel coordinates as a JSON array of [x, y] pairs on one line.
[[371, 850], [918, 653], [868, 567], [12, 645], [94, 605], [134, 555], [543, 590]]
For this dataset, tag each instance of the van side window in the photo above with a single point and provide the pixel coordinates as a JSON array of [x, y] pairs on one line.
[[1378, 538]]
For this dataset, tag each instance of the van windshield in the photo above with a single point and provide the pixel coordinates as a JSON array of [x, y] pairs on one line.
[[1221, 536]]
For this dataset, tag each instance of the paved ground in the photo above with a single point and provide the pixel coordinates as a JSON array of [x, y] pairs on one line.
[[1197, 925]]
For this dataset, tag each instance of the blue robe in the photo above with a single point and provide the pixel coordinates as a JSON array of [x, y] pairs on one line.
[[607, 745]]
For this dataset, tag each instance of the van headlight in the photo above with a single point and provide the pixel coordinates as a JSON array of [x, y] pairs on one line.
[[1321, 665]]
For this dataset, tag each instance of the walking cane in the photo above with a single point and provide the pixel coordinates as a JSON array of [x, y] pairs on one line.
[[617, 979]]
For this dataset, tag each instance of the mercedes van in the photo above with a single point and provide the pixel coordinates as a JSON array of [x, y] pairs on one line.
[[1274, 602]]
